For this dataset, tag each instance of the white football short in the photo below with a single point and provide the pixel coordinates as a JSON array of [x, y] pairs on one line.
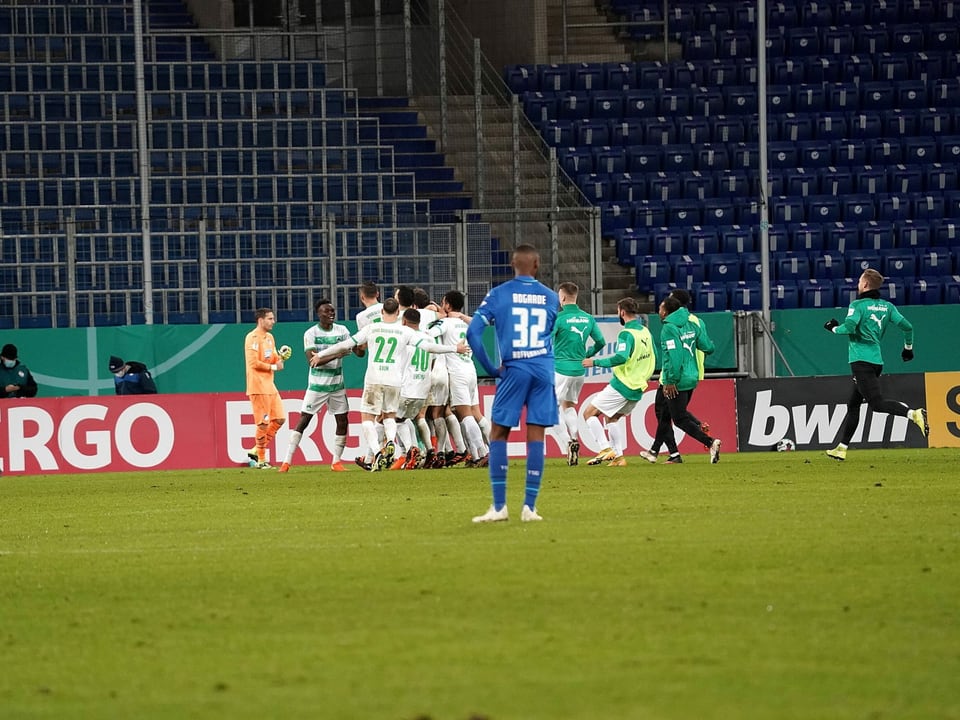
[[610, 402], [463, 390], [378, 399], [336, 402], [568, 387], [411, 407]]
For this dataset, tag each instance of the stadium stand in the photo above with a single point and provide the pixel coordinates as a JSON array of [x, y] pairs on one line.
[[864, 139], [257, 155]]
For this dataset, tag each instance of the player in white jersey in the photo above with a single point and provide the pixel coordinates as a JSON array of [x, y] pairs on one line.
[[387, 341], [370, 299], [324, 383], [413, 396], [464, 395]]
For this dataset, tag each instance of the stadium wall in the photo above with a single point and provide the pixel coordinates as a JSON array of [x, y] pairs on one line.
[[213, 430]]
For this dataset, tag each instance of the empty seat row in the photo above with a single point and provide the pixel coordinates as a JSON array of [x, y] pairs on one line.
[[793, 267], [813, 41], [720, 297], [685, 16], [739, 100], [797, 237], [715, 72], [925, 207], [65, 19], [801, 186], [713, 157]]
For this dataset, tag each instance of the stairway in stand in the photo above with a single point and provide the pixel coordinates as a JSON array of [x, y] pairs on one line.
[[399, 126]]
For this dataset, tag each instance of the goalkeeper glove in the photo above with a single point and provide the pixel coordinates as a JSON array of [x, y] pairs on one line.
[[285, 352], [907, 354], [830, 324]]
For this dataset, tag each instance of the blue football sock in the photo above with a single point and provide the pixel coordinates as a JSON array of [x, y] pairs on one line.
[[498, 472], [534, 473]]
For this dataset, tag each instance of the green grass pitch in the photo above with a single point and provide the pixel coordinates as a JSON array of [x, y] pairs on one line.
[[771, 585]]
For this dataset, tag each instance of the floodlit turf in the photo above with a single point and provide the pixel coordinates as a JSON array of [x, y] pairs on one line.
[[774, 585]]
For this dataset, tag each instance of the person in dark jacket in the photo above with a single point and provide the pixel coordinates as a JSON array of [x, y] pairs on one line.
[[131, 377], [15, 379]]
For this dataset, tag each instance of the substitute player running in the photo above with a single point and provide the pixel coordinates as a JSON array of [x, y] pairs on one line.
[[868, 318], [523, 312]]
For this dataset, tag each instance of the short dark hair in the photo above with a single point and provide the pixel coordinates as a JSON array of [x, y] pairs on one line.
[[261, 313], [369, 289], [412, 315], [683, 296], [405, 295], [420, 297], [670, 304], [319, 303], [391, 306], [629, 306], [569, 288], [455, 299]]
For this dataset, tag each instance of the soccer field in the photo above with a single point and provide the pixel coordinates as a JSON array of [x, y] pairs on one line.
[[771, 585]]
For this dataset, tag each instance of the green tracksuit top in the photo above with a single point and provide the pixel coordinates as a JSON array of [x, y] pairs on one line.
[[633, 362], [867, 320], [573, 328], [680, 338]]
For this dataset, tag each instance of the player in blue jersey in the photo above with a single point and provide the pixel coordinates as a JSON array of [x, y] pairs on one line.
[[523, 312]]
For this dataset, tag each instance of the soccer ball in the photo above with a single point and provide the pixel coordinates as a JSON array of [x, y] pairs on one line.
[[786, 445], [285, 352]]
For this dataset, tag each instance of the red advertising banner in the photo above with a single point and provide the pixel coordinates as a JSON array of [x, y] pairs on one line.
[[169, 432]]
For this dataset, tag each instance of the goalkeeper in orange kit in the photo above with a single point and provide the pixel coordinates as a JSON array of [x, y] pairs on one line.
[[262, 361]]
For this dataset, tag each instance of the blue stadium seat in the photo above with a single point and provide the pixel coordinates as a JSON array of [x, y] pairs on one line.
[[948, 148], [871, 180], [794, 128], [627, 131], [899, 123], [933, 121], [809, 97], [678, 157], [574, 105], [815, 153], [837, 40], [731, 183], [789, 71], [877, 95], [828, 265], [745, 296], [736, 239], [727, 129], [938, 177], [702, 241], [892, 67], [835, 180], [619, 76], [540, 107], [693, 130], [696, 185], [859, 260], [898, 263], [912, 234], [832, 126], [783, 15], [751, 267], [629, 187], [688, 270], [640, 103], [858, 208], [802, 41], [684, 213], [927, 206], [554, 78], [792, 266], [712, 157], [823, 208], [951, 290], [661, 131], [806, 237], [951, 204], [596, 187], [686, 74], [591, 132], [606, 104], [697, 46], [588, 76], [945, 233], [575, 160], [925, 291], [630, 243], [644, 158], [711, 297], [719, 211], [941, 37], [851, 152], [608, 159], [707, 102], [885, 152], [722, 73], [911, 94], [614, 216], [723, 268], [783, 155], [673, 102], [649, 213], [667, 241], [521, 78], [653, 74], [877, 235], [664, 186], [784, 296], [652, 269], [895, 290], [906, 38], [816, 293], [558, 133], [786, 210], [844, 237], [865, 125], [894, 207], [945, 92]]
